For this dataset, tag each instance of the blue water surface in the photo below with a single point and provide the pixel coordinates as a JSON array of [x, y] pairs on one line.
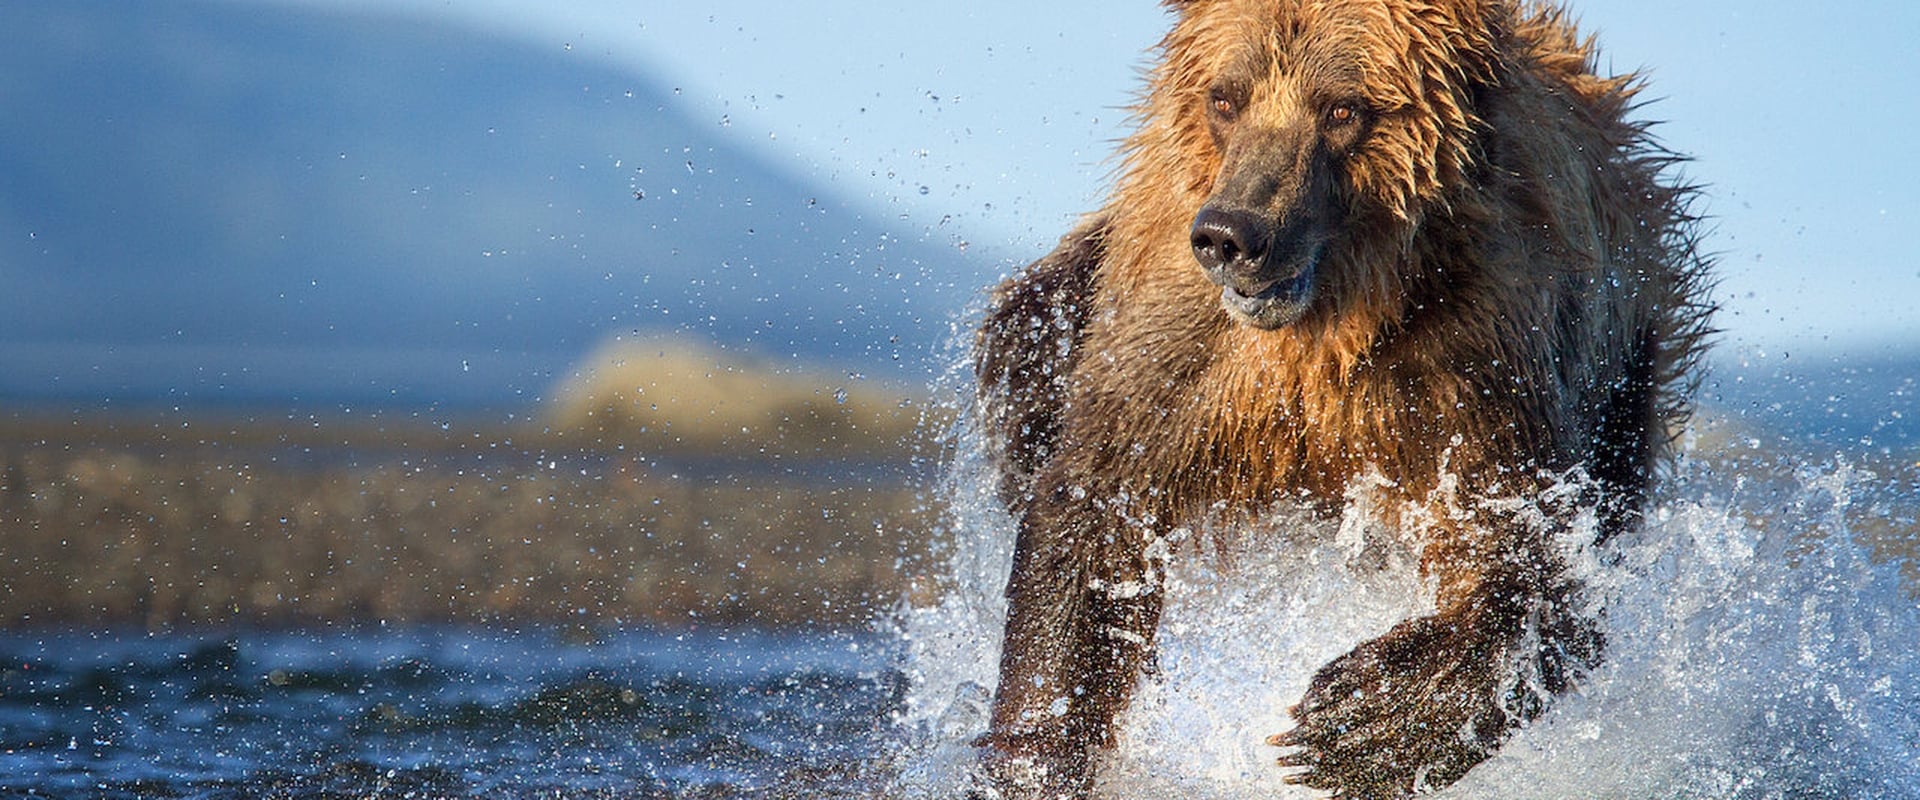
[[442, 712]]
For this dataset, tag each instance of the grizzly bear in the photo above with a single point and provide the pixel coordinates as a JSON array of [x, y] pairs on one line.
[[1418, 240]]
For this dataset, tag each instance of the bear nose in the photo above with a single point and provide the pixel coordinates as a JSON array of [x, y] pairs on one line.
[[1230, 245]]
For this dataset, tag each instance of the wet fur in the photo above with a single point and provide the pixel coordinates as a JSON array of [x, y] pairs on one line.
[[1511, 289]]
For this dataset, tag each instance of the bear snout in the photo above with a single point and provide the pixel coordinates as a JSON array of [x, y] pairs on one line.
[[1232, 247], [1265, 275]]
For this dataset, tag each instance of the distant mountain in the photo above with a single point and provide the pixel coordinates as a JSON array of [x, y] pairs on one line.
[[204, 202]]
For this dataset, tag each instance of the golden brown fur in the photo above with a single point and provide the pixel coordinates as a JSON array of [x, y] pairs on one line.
[[1488, 269]]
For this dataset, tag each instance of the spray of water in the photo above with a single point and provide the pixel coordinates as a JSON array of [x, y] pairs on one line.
[[1755, 649]]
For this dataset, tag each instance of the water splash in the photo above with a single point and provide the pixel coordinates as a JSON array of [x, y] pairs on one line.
[[1756, 650], [951, 647]]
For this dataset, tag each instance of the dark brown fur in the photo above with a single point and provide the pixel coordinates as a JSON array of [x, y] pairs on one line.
[[1479, 269]]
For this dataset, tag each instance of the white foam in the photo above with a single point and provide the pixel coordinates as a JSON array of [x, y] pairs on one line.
[[1755, 651]]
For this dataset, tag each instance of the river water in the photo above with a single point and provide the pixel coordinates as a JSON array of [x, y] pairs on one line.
[[1764, 643], [442, 713]]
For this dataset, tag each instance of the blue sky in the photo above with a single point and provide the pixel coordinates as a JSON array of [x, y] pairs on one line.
[[991, 124]]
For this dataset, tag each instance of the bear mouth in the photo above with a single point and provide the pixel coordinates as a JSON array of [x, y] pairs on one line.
[[1276, 305]]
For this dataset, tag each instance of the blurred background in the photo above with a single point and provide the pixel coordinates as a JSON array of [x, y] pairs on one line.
[[636, 311]]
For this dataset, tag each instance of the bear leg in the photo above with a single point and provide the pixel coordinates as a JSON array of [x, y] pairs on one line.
[[1083, 604]]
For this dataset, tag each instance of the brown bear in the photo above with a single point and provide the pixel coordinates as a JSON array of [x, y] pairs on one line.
[[1417, 238]]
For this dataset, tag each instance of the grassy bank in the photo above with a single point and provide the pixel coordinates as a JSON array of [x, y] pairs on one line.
[[190, 537], [667, 485], [671, 396]]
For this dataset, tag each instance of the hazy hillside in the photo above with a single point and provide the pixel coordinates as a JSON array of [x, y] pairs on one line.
[[224, 203]]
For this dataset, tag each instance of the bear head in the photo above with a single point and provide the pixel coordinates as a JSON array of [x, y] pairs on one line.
[[1321, 134]]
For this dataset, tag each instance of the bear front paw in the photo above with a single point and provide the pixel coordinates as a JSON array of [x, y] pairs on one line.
[[1411, 710]]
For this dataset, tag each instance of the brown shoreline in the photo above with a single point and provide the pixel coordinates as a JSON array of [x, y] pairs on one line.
[[163, 522]]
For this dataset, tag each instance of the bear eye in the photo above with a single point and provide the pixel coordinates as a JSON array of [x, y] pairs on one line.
[[1223, 105], [1343, 113]]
